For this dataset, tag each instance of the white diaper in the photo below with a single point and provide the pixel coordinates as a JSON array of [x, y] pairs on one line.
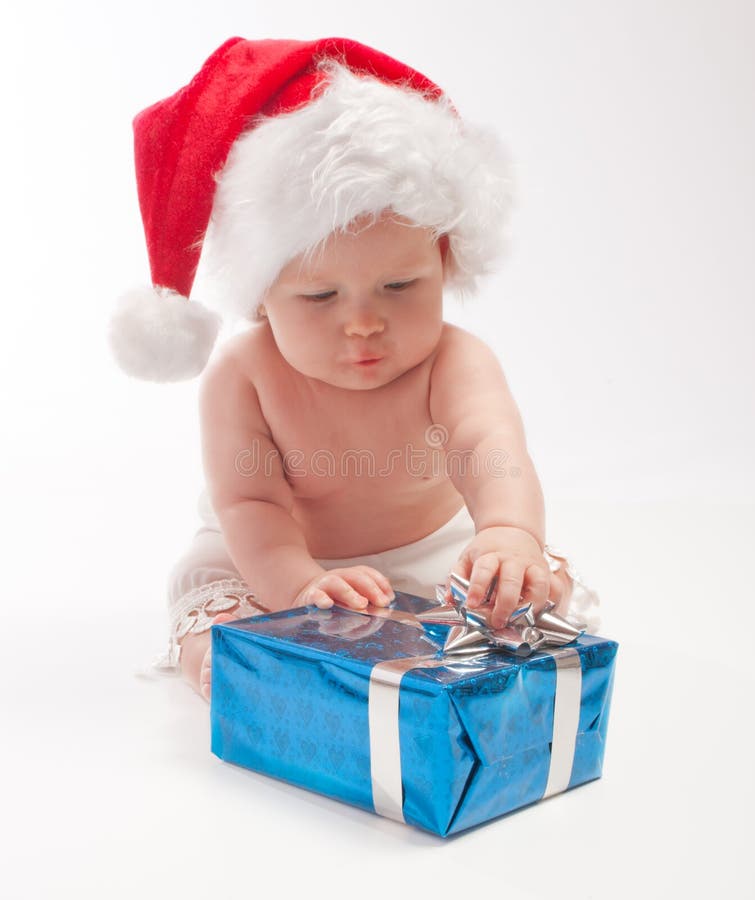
[[204, 582]]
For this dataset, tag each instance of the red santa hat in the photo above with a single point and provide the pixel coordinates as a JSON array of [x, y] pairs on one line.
[[273, 145]]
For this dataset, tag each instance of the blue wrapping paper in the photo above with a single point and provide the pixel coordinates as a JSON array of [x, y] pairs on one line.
[[290, 694]]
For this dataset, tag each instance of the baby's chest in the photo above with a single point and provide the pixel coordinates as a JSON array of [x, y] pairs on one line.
[[381, 444]]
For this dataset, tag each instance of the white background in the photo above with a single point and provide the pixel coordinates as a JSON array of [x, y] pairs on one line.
[[624, 322]]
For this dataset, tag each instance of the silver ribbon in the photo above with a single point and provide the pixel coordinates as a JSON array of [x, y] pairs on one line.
[[565, 719], [470, 635], [522, 635], [385, 743]]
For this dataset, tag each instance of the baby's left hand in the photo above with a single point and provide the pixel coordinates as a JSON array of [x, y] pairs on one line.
[[523, 573]]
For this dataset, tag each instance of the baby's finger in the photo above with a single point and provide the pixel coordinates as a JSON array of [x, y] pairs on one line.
[[508, 594], [316, 596], [322, 600], [365, 585], [556, 589], [485, 568], [381, 581], [536, 587], [342, 592], [562, 588]]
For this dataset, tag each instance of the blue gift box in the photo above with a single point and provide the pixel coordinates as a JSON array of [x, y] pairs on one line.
[[367, 708]]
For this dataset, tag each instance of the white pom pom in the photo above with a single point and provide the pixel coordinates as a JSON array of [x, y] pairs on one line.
[[158, 335]]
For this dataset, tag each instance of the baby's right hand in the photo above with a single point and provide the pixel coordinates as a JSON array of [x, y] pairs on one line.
[[352, 586]]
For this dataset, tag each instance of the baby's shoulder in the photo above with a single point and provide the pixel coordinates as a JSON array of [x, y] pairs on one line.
[[456, 346], [231, 378], [451, 333], [228, 394], [244, 354]]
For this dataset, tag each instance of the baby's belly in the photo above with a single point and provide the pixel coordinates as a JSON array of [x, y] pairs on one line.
[[343, 525]]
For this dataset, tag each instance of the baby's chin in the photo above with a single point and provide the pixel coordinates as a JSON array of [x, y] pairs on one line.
[[355, 377], [356, 381]]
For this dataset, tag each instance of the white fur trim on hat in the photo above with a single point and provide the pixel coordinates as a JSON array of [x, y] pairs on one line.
[[361, 147], [158, 335]]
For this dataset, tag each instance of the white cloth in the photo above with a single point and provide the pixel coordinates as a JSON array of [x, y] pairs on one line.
[[414, 568], [205, 582]]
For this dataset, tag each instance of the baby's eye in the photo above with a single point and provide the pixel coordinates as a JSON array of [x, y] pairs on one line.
[[400, 285], [323, 296]]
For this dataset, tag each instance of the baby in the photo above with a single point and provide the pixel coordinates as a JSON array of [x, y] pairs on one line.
[[353, 442]]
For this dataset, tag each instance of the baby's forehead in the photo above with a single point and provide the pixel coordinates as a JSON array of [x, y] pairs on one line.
[[386, 245], [327, 265]]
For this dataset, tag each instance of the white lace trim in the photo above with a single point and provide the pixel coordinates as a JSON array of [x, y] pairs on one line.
[[194, 612]]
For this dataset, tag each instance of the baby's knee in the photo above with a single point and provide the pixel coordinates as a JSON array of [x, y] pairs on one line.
[[206, 560]]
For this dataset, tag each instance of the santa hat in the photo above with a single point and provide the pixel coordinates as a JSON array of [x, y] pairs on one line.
[[273, 145]]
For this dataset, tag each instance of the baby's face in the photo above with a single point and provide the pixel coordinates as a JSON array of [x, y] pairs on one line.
[[377, 292]]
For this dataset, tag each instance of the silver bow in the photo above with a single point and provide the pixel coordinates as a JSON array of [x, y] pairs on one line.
[[471, 629]]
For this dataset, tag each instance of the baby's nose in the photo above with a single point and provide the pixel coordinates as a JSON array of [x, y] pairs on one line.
[[364, 325]]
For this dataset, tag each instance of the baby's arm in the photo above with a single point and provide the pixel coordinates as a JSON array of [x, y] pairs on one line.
[[488, 462], [247, 487], [253, 502], [488, 459]]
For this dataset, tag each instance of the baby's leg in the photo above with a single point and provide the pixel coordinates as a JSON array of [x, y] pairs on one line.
[[203, 584], [205, 662], [195, 659]]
